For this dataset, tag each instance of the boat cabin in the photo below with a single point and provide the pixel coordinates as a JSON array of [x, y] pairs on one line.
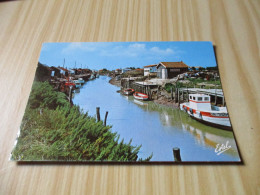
[[199, 102]]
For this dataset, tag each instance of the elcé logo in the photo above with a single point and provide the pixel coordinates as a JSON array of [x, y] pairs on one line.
[[222, 148]]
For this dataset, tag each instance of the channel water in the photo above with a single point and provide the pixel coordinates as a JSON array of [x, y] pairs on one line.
[[157, 128]]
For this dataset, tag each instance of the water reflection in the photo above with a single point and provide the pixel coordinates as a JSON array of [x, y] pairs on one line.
[[157, 128]]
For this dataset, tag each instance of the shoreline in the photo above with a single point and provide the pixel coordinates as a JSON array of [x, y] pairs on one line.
[[161, 101], [113, 81]]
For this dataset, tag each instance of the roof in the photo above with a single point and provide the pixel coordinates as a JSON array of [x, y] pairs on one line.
[[173, 64], [54, 68], [199, 95], [150, 65], [64, 69], [44, 66]]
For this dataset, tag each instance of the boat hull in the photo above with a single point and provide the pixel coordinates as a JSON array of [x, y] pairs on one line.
[[229, 128], [128, 92], [221, 122], [140, 96]]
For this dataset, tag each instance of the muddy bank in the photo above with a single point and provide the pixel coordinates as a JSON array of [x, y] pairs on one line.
[[166, 102], [113, 81]]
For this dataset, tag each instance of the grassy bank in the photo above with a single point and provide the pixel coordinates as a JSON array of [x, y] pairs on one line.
[[52, 129], [197, 83]]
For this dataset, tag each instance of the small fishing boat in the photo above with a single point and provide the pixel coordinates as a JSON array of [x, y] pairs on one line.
[[92, 77], [70, 84], [128, 91], [199, 108], [77, 83], [140, 96], [81, 81]]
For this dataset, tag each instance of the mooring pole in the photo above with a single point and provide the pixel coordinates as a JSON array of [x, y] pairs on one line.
[[157, 92], [178, 97], [70, 94], [171, 93], [176, 154], [98, 113], [176, 94], [105, 121]]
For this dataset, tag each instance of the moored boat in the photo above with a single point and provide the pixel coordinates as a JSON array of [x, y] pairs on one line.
[[128, 91], [81, 81], [70, 84], [199, 108], [140, 96], [77, 83]]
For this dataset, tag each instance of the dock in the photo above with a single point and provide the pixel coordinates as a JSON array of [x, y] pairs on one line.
[[211, 92]]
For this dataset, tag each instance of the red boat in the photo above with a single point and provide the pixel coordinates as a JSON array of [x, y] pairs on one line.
[[140, 96], [128, 91], [69, 84]]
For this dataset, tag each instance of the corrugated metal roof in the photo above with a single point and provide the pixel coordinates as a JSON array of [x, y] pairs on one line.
[[174, 64], [150, 66]]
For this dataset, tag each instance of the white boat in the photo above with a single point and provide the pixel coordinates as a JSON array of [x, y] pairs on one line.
[[128, 91], [92, 77], [140, 96], [199, 108], [81, 81], [77, 83]]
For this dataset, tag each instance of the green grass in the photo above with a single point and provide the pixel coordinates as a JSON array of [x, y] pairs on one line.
[[193, 83]]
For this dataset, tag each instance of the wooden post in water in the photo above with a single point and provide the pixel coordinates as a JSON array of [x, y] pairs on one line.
[[98, 113], [105, 121], [149, 92], [70, 94], [187, 94], [176, 154], [178, 97]]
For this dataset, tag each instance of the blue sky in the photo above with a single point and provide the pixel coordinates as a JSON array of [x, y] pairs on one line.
[[113, 55]]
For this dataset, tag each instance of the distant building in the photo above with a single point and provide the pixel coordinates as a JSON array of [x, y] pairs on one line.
[[64, 71], [43, 72], [150, 69], [55, 72], [126, 70], [71, 71], [118, 71], [198, 67], [167, 70]]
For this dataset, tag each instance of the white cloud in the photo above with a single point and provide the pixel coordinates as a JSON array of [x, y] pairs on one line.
[[114, 49], [137, 46], [88, 47], [157, 50], [132, 50]]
